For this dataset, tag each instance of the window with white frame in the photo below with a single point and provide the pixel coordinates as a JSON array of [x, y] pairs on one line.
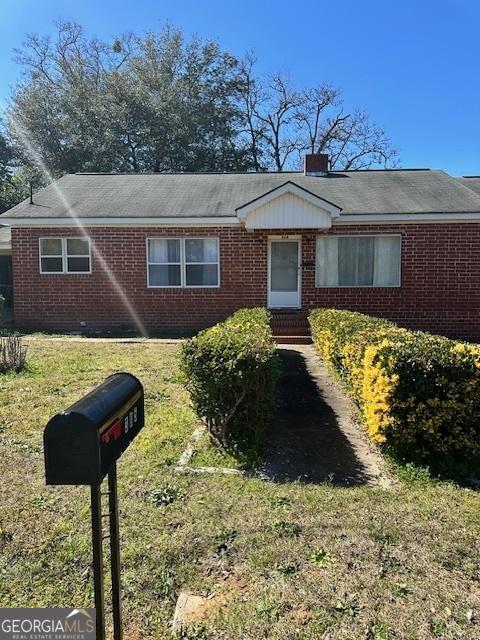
[[183, 262], [64, 255], [164, 263], [201, 262], [358, 261]]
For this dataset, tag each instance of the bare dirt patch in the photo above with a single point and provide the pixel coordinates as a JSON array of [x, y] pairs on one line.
[[201, 608]]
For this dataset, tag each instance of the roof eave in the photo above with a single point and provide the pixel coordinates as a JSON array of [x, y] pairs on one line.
[[177, 221]]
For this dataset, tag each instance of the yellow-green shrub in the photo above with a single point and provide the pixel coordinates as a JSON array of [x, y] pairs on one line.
[[417, 392], [231, 370]]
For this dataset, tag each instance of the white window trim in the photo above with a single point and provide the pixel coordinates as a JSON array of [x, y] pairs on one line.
[[183, 264], [64, 256], [360, 286], [164, 286]]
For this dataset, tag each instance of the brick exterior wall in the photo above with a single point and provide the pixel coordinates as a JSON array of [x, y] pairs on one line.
[[439, 290]]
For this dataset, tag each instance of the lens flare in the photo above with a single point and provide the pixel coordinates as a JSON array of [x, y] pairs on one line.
[[24, 137]]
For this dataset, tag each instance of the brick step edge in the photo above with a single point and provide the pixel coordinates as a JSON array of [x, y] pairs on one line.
[[292, 339], [304, 325], [291, 329], [292, 332]]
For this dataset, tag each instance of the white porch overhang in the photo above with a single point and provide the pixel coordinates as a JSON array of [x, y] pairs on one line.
[[288, 207]]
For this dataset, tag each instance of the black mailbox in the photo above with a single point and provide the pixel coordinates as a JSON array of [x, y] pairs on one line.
[[83, 442]]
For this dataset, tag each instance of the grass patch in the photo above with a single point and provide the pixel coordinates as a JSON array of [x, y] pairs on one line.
[[284, 561], [209, 453]]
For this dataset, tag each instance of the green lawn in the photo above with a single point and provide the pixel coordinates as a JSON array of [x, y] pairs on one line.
[[281, 561]]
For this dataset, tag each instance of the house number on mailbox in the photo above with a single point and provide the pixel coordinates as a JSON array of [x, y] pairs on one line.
[[131, 419], [115, 431]]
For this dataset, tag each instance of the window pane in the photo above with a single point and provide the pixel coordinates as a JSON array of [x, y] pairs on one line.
[[327, 262], [387, 261], [78, 264], [284, 266], [162, 250], [284, 279], [51, 265], [198, 275], [201, 250], [77, 247], [365, 261], [51, 246], [347, 262], [355, 261], [358, 261], [164, 275]]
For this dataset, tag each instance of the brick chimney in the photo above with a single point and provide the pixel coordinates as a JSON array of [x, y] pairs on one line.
[[316, 164]]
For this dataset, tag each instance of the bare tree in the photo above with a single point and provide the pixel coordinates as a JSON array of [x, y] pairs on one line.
[[271, 113], [310, 114], [283, 123], [354, 142], [280, 134], [250, 96]]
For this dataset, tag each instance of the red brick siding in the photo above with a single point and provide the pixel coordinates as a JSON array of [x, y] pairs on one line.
[[439, 290]]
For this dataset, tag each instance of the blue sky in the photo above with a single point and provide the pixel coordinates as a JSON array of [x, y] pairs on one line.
[[413, 65]]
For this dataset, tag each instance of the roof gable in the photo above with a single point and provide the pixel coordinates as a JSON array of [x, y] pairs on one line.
[[288, 207]]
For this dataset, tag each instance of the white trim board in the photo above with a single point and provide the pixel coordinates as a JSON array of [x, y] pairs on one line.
[[224, 221], [406, 218]]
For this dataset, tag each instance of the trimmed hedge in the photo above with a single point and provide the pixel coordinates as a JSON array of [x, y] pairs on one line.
[[231, 371], [417, 392]]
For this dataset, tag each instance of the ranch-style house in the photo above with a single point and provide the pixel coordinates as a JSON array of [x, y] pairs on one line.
[[183, 251]]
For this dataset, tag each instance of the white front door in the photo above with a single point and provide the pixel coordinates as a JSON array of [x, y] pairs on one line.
[[284, 273]]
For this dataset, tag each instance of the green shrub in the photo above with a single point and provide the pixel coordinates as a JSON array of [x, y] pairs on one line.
[[417, 392], [231, 371]]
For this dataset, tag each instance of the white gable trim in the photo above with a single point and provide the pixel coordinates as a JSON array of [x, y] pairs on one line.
[[288, 207]]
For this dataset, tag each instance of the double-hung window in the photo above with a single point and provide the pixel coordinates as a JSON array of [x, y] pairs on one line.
[[183, 262], [201, 262], [64, 255], [358, 261], [164, 263]]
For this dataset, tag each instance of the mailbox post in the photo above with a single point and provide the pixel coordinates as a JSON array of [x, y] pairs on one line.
[[82, 445]]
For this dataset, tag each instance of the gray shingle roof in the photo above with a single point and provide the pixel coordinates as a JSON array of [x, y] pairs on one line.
[[210, 195], [472, 183]]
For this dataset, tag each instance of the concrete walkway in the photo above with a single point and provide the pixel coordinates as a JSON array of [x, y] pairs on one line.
[[313, 436]]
